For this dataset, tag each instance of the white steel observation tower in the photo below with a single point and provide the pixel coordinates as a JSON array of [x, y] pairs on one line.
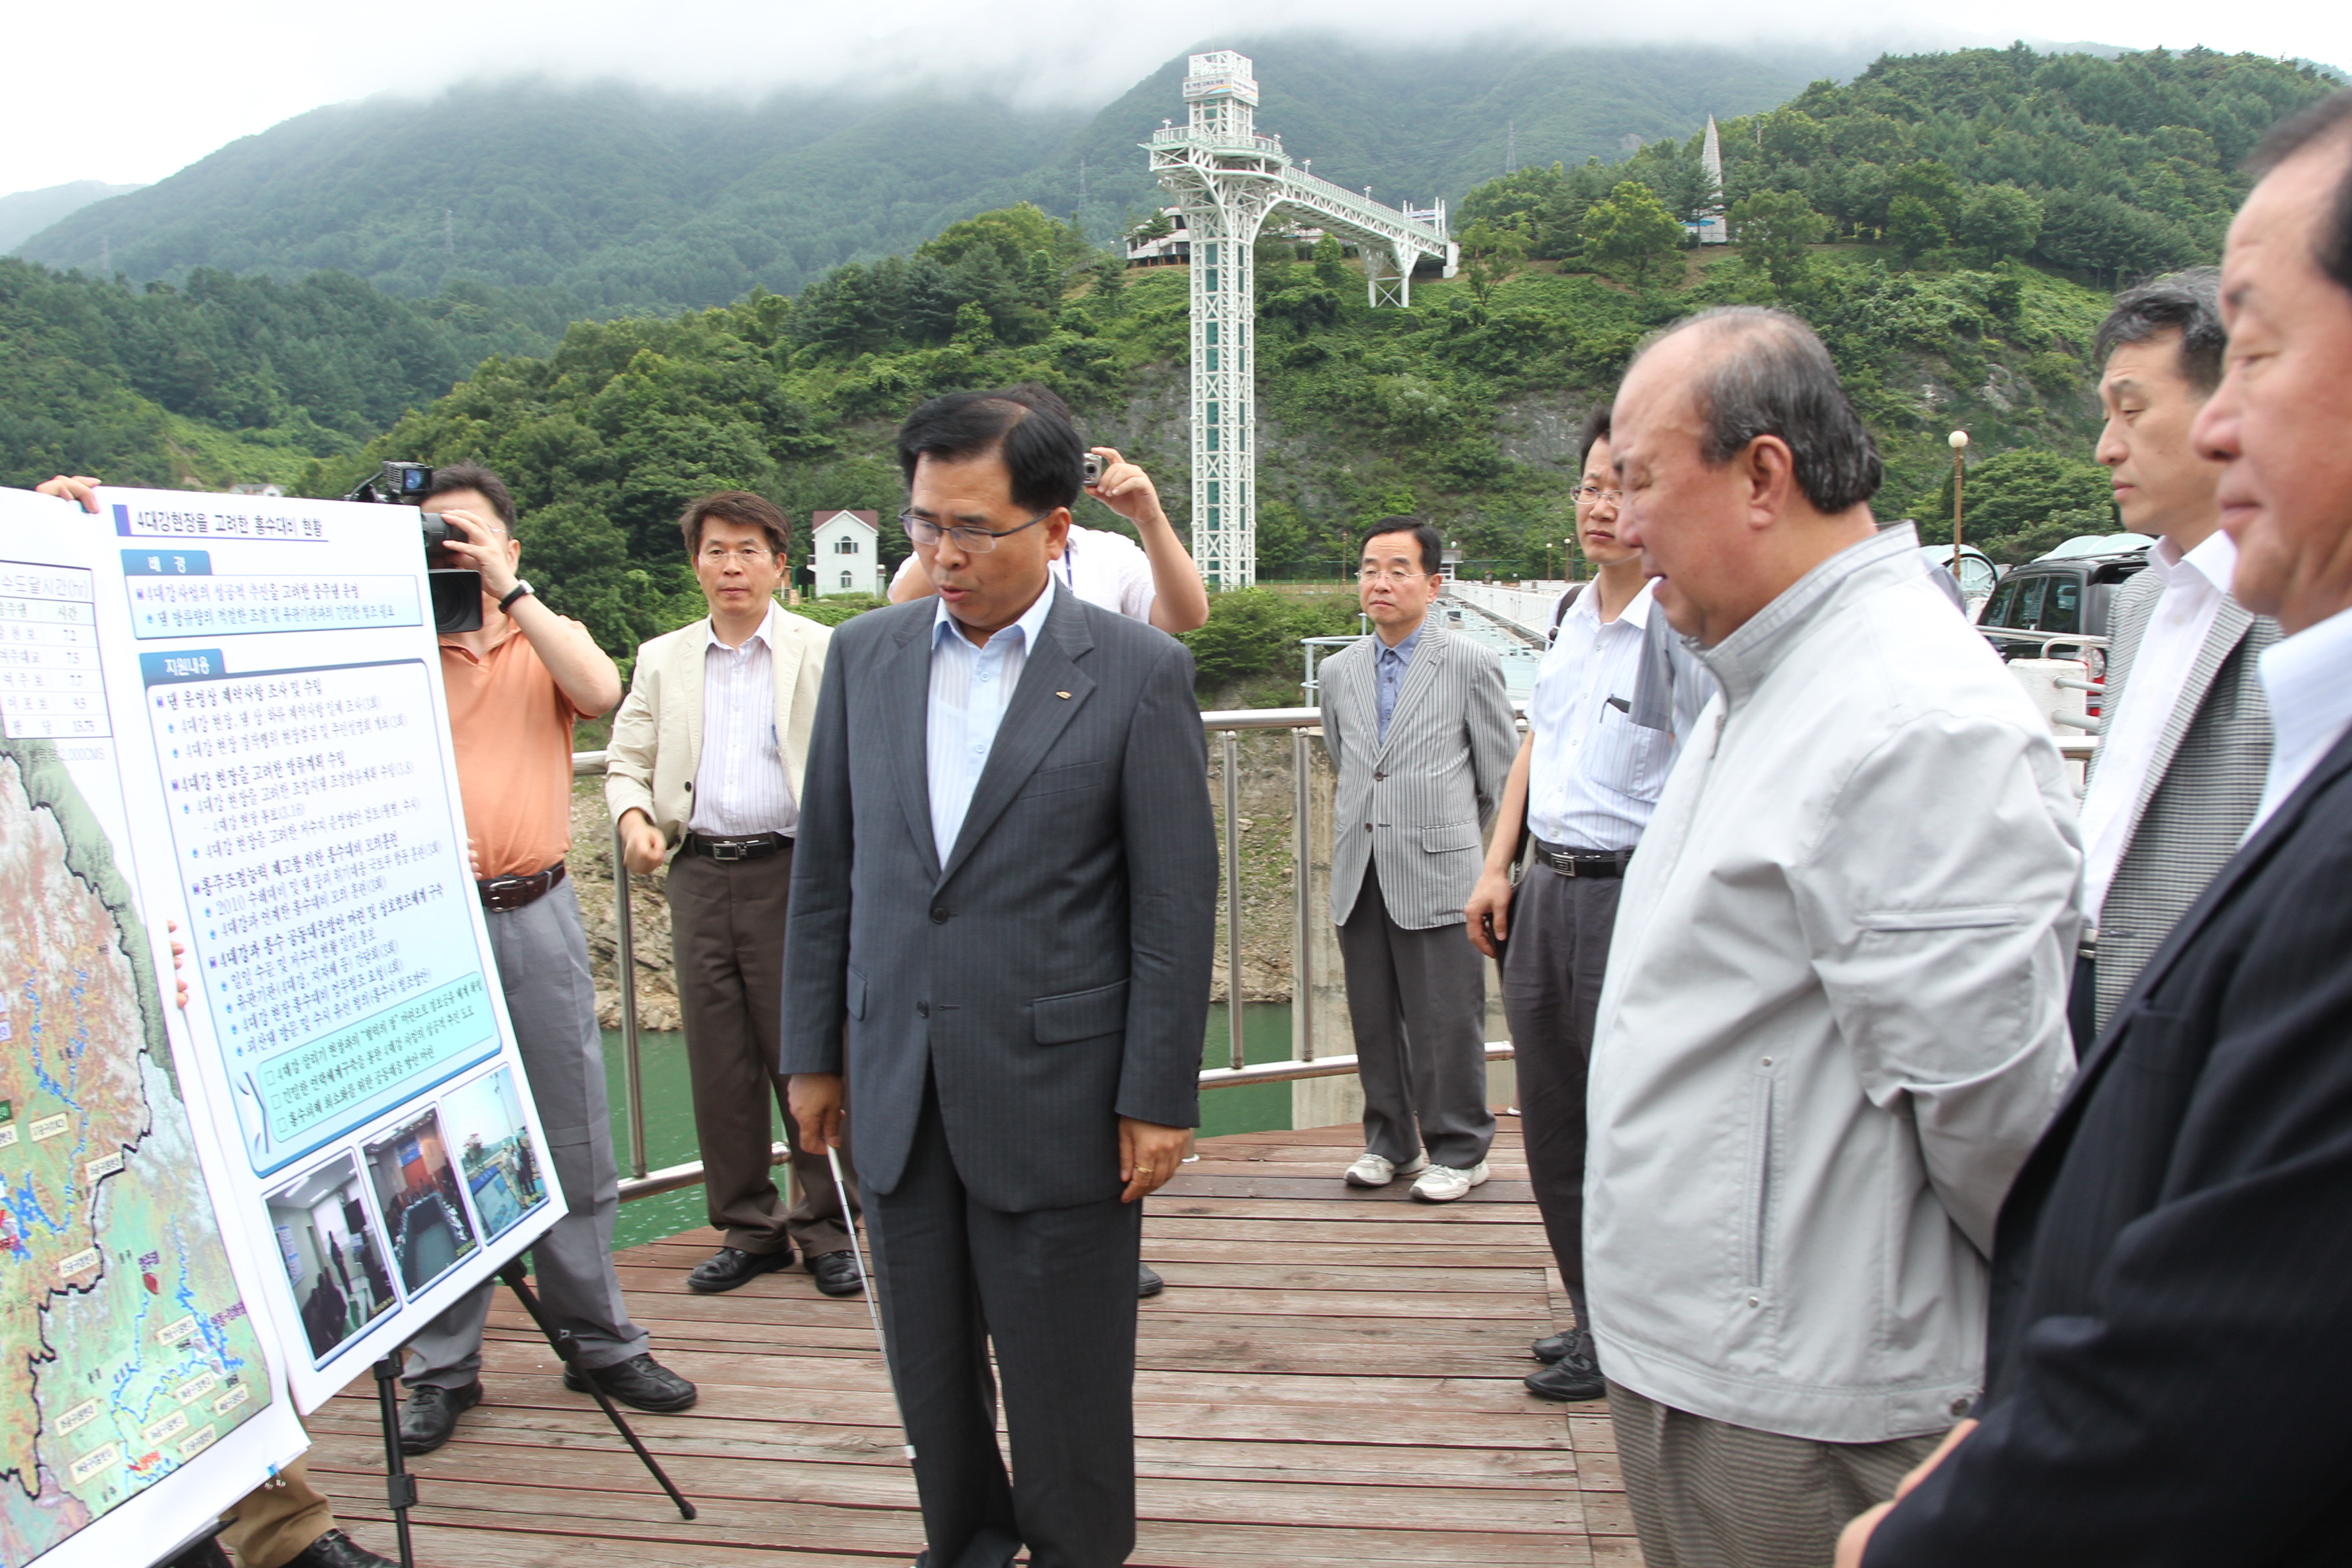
[[1228, 179]]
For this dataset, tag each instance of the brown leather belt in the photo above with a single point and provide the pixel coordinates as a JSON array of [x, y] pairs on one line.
[[1582, 862], [750, 847], [501, 893]]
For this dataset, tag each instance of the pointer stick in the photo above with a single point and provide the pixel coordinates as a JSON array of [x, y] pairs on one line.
[[873, 1298]]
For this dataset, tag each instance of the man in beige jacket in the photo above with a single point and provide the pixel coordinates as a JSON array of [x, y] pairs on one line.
[[705, 765]]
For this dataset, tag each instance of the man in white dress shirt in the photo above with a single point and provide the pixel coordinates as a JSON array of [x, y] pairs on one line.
[[1157, 583], [705, 765], [1584, 785], [2187, 738]]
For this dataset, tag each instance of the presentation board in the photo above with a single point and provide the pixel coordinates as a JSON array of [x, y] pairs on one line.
[[225, 713]]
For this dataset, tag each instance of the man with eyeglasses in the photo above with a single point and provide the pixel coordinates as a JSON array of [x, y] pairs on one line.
[[704, 772], [1003, 915], [1586, 778], [1418, 724], [515, 688], [1157, 583]]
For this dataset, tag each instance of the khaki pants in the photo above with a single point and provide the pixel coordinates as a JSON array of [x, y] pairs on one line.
[[1708, 1494], [277, 1521]]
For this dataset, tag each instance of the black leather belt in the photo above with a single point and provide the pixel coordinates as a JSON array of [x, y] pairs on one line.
[[514, 892], [750, 847], [1582, 862]]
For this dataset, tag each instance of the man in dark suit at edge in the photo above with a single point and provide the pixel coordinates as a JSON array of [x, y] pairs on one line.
[[1006, 892], [2169, 1361]]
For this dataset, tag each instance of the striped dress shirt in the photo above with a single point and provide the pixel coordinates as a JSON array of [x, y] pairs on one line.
[[970, 688], [739, 788], [1595, 775]]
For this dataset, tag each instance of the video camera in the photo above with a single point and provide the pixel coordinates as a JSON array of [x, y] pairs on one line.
[[456, 592]]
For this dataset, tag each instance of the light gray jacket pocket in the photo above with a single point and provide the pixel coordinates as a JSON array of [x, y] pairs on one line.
[[1452, 835]]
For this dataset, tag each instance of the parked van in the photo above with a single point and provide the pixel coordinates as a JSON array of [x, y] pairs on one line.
[[2045, 599]]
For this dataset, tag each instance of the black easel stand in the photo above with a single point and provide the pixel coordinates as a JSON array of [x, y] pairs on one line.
[[566, 1349], [400, 1487]]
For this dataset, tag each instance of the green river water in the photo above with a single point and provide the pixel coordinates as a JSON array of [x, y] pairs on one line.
[[669, 1111]]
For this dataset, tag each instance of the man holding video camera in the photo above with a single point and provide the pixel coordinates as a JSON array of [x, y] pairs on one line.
[[515, 685]]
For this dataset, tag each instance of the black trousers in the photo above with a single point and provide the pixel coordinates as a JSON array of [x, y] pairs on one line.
[[1054, 1292], [1552, 968]]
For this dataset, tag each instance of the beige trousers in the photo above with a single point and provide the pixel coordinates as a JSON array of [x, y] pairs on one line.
[[277, 1521]]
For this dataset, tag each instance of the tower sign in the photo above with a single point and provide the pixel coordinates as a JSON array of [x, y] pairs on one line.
[[1228, 178]]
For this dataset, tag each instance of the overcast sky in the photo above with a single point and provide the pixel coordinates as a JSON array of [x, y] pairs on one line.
[[144, 87]]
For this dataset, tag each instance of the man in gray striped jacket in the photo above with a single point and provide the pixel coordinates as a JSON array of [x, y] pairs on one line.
[[1419, 726]]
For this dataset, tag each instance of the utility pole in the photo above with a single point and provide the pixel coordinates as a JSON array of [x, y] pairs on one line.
[[449, 230], [1511, 147], [1960, 443], [1082, 185]]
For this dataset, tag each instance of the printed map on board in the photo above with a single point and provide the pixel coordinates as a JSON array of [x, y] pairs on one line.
[[127, 1350]]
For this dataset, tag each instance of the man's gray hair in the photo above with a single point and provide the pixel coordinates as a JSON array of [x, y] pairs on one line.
[[2187, 302], [1774, 378]]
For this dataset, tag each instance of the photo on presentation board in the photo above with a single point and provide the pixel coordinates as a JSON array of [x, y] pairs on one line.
[[500, 1164], [417, 1192], [335, 1258]]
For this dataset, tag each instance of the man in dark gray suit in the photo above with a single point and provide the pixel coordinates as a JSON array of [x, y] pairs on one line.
[[1002, 913], [2187, 730], [1418, 725]]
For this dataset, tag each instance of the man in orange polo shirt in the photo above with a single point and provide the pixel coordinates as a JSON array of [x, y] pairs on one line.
[[515, 689]]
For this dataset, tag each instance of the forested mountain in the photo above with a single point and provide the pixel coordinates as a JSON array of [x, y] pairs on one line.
[[229, 378], [627, 200], [1950, 222], [26, 213], [2110, 167]]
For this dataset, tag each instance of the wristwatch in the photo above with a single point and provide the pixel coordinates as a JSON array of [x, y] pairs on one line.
[[517, 592]]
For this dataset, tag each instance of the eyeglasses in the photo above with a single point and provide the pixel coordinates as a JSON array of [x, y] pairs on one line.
[[750, 555], [1589, 495], [1392, 573], [970, 538]]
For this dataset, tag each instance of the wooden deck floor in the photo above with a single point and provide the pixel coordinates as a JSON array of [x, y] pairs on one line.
[[1331, 1378]]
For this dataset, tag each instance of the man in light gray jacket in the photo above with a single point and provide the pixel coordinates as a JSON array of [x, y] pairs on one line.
[[1834, 1018], [1419, 726]]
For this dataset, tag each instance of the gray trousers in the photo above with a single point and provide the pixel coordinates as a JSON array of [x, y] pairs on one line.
[[1552, 968], [1053, 1290], [726, 930], [542, 958], [1418, 1000], [1709, 1494]]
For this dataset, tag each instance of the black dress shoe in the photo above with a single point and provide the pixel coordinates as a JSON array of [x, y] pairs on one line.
[[837, 1274], [640, 1383], [202, 1554], [336, 1550], [430, 1414], [1573, 1375], [731, 1266], [1147, 1283], [1551, 1347]]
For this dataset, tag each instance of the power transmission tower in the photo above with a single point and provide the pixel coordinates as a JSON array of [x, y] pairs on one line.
[[1511, 147], [449, 230], [1228, 179], [1082, 185]]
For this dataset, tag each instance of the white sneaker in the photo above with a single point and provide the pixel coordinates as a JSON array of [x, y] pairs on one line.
[[1371, 1170], [1444, 1183]]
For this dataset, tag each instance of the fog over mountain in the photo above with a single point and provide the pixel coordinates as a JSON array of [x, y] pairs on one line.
[[628, 198], [172, 83]]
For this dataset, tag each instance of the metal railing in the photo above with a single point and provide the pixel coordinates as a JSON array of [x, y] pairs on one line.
[[1226, 727]]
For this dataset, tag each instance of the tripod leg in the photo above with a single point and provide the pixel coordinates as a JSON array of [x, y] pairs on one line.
[[565, 1349], [399, 1486]]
